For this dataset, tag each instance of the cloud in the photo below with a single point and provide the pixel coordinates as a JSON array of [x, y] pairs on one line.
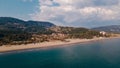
[[66, 12]]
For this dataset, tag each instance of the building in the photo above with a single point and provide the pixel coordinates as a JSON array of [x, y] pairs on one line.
[[103, 32]]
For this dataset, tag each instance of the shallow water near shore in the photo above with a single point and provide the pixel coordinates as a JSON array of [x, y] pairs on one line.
[[97, 54]]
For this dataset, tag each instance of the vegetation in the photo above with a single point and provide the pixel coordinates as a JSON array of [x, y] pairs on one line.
[[14, 37], [14, 31], [77, 32]]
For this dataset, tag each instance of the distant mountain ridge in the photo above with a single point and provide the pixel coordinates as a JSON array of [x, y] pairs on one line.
[[112, 28], [9, 23]]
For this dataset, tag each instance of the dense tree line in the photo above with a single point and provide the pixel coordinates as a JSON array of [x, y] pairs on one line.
[[13, 37]]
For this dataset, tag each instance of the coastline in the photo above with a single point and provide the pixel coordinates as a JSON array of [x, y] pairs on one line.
[[47, 44]]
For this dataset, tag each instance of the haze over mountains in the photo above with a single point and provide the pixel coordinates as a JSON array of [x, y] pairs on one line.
[[112, 28]]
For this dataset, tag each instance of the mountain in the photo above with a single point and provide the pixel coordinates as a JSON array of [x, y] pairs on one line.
[[9, 23], [39, 23], [112, 28], [16, 31]]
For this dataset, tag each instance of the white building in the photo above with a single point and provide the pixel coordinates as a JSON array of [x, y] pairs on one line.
[[103, 32]]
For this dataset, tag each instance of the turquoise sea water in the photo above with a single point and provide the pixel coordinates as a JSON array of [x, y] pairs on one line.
[[97, 54]]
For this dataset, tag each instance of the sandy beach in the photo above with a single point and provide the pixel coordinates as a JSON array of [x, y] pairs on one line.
[[45, 44]]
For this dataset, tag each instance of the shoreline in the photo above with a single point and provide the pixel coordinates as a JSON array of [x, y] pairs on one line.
[[12, 48]]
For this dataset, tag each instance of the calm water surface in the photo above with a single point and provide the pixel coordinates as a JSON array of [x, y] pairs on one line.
[[97, 54]]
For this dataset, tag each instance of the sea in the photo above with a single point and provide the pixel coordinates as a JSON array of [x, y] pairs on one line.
[[95, 54]]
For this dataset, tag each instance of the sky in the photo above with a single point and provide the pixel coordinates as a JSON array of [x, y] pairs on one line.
[[79, 13]]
